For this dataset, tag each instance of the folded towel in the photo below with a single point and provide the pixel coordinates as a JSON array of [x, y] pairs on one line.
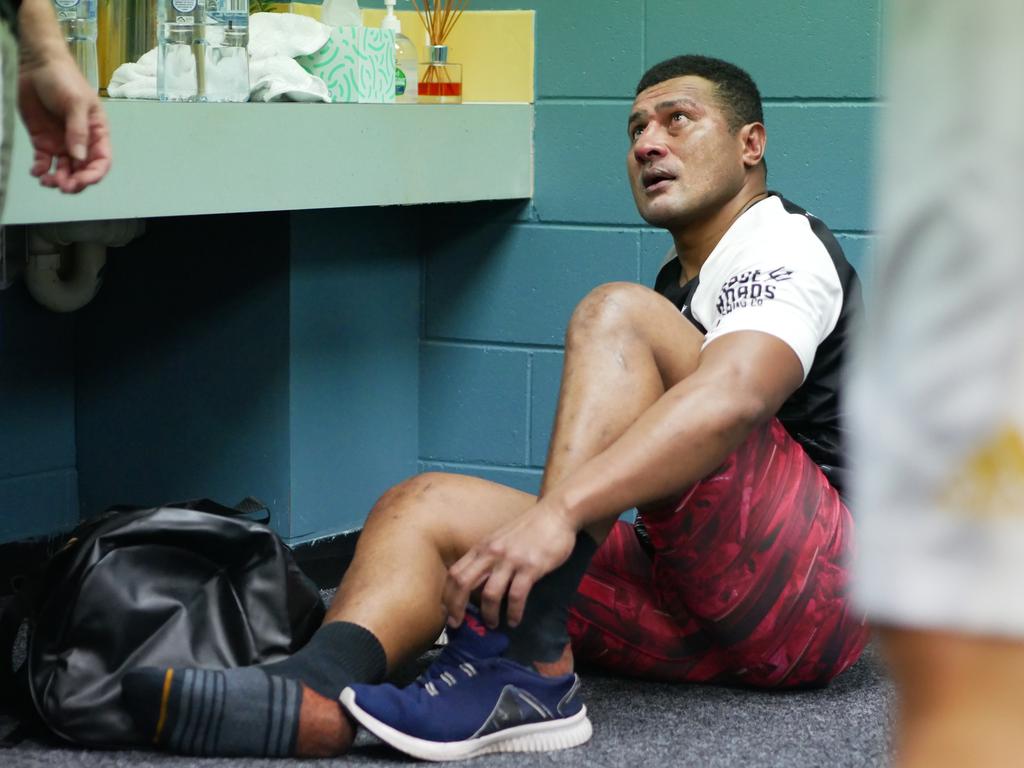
[[285, 34], [275, 39], [279, 78], [135, 81]]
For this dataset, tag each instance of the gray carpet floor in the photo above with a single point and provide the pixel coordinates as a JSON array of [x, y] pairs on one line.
[[635, 724]]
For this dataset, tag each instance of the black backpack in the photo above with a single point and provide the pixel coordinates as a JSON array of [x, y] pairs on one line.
[[196, 584]]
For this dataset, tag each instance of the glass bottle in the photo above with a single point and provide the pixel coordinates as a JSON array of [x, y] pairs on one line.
[[77, 20], [179, 55], [225, 74], [203, 54], [440, 80]]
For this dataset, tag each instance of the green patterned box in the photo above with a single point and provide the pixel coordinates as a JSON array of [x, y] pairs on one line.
[[358, 65]]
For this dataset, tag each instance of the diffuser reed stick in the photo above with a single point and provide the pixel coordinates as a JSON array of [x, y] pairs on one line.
[[439, 17], [440, 82]]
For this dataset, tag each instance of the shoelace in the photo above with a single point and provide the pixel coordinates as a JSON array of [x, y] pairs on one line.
[[444, 667]]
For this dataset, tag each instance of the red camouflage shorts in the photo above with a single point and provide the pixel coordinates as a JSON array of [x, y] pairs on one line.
[[747, 582]]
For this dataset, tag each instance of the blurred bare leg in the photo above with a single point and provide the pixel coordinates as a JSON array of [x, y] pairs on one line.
[[961, 699]]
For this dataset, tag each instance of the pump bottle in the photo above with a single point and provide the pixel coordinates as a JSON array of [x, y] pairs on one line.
[[406, 59]]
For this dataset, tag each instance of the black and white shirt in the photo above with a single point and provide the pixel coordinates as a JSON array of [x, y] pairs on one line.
[[779, 270]]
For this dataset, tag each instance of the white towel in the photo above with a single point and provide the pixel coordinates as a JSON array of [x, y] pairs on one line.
[[275, 39]]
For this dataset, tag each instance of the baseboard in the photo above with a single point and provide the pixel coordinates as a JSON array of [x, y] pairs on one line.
[[324, 560]]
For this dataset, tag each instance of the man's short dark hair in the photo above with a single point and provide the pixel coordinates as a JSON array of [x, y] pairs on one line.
[[733, 86]]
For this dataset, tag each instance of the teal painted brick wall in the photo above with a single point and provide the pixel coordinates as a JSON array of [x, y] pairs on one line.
[[38, 477], [273, 355], [473, 404], [182, 374], [794, 48], [497, 282], [519, 285], [502, 283], [354, 349]]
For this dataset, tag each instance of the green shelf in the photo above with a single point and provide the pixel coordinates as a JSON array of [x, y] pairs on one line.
[[190, 159]]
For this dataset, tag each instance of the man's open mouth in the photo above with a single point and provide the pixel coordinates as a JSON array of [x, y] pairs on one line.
[[654, 179]]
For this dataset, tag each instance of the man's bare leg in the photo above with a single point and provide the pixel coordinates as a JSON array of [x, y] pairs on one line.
[[961, 698], [625, 346], [414, 533]]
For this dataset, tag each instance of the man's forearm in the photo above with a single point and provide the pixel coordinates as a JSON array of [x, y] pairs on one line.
[[741, 381], [681, 439], [39, 34]]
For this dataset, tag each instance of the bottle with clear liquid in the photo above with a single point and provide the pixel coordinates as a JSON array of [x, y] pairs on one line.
[[407, 60], [203, 53], [78, 23], [226, 38], [179, 50]]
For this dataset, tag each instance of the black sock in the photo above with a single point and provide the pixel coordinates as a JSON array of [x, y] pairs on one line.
[[541, 636], [249, 711], [337, 655]]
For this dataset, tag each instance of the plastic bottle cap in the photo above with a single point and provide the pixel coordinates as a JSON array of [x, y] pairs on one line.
[[391, 22]]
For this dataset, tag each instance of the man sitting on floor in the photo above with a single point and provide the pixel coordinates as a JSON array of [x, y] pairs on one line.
[[710, 404]]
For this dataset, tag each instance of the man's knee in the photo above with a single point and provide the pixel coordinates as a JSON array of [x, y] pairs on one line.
[[611, 306], [411, 498]]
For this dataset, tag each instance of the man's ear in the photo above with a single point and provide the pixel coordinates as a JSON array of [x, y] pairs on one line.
[[754, 140]]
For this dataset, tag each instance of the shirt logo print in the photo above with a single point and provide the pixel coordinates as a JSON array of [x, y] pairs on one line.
[[750, 289]]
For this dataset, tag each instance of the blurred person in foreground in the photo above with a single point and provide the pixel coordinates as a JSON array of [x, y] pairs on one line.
[[938, 392], [62, 112]]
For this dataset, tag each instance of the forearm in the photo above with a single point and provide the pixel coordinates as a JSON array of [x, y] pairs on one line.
[[681, 439], [39, 34]]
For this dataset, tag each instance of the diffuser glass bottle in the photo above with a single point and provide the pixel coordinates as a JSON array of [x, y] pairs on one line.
[[440, 80]]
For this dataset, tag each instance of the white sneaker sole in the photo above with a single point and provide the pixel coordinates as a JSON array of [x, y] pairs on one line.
[[548, 736]]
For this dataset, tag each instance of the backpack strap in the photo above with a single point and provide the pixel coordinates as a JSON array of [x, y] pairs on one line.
[[15, 702], [13, 612]]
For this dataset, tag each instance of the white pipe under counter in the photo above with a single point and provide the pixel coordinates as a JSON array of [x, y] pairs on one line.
[[189, 159]]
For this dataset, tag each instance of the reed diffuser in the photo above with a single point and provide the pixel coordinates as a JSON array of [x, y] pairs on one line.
[[440, 79]]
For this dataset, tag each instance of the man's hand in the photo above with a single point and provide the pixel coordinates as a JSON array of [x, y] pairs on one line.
[[509, 562], [65, 122]]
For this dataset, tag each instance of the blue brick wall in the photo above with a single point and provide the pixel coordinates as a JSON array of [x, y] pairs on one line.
[[182, 367], [38, 476], [273, 355], [353, 354], [499, 287], [241, 344]]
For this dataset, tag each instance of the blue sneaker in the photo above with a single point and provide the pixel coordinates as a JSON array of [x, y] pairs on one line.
[[472, 702]]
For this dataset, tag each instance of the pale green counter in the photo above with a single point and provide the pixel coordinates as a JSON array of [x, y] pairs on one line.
[[188, 159]]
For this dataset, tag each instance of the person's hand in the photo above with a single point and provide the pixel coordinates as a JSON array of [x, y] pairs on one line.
[[508, 563], [66, 124]]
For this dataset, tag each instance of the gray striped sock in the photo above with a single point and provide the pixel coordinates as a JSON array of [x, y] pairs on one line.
[[251, 711], [263, 719]]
